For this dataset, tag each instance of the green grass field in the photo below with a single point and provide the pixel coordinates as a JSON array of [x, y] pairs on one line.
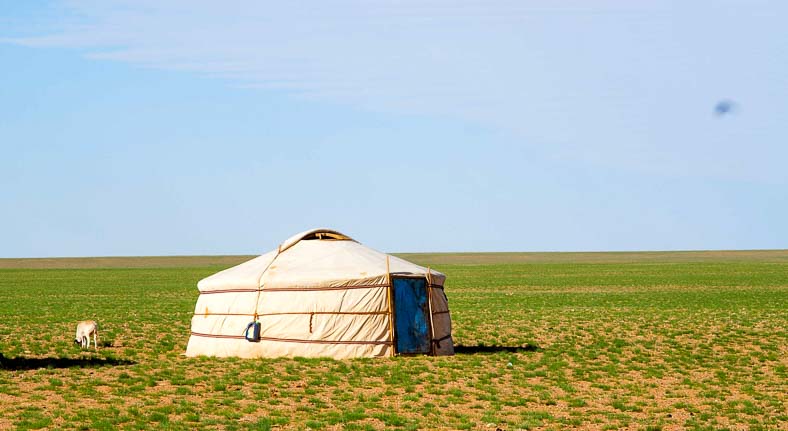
[[686, 340]]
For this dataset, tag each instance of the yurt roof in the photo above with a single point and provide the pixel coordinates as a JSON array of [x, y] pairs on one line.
[[316, 258]]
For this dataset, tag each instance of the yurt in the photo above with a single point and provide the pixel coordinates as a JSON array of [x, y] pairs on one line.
[[322, 294]]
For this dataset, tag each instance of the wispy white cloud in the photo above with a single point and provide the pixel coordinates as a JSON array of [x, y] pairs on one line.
[[620, 84]]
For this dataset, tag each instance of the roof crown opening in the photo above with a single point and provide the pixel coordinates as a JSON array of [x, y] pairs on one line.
[[320, 234], [325, 236]]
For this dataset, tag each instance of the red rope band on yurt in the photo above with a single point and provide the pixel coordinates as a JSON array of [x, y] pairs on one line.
[[292, 340], [429, 305], [294, 289], [391, 307], [315, 289], [210, 292], [301, 313], [200, 334]]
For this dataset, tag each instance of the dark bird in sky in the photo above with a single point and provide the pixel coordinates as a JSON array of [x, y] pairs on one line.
[[724, 107]]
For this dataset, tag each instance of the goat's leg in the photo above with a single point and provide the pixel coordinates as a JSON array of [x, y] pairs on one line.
[[95, 341]]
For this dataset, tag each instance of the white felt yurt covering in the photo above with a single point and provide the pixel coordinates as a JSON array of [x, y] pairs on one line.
[[320, 294]]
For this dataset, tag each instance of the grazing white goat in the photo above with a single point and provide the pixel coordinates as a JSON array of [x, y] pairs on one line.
[[85, 329]]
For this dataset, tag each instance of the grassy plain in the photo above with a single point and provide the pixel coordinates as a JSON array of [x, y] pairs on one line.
[[686, 340]]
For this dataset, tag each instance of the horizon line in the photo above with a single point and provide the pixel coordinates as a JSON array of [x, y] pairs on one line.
[[121, 256]]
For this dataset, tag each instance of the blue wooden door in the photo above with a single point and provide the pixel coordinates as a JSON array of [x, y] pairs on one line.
[[411, 315]]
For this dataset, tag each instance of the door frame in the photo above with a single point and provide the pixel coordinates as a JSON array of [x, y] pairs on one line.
[[393, 314]]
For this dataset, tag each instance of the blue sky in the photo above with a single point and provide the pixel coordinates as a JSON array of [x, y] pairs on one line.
[[182, 127]]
